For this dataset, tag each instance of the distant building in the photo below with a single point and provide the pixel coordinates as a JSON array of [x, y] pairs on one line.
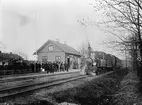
[[53, 51]]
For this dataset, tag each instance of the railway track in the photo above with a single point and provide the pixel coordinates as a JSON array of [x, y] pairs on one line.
[[34, 86], [12, 91], [18, 83], [33, 77]]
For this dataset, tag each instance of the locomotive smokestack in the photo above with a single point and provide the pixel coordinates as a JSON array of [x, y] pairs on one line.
[[89, 50]]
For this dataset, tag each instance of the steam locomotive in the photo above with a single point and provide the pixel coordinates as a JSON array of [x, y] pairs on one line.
[[100, 62]]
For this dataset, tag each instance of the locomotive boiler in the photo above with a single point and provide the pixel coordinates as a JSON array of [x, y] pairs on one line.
[[89, 67]]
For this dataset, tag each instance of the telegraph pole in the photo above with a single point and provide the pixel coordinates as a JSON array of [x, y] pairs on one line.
[[36, 29], [126, 58]]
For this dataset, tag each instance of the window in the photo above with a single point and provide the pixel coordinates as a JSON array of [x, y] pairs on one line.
[[57, 58], [44, 59], [50, 48]]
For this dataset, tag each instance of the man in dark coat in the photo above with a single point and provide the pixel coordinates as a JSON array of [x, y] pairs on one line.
[[32, 67]]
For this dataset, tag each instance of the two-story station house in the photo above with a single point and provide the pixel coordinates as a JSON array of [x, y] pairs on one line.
[[52, 51]]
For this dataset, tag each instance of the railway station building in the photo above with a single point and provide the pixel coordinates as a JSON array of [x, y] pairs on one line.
[[52, 51]]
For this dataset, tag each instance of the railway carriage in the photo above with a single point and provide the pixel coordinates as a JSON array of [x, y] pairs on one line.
[[110, 62], [104, 62]]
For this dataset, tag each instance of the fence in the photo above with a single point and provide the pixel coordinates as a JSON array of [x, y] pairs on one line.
[[18, 71]]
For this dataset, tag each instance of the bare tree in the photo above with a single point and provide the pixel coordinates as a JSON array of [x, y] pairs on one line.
[[83, 49], [123, 17]]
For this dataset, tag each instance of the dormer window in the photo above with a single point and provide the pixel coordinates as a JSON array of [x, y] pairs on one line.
[[50, 48]]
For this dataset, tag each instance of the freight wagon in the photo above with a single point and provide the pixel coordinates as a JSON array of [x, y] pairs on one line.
[[106, 62]]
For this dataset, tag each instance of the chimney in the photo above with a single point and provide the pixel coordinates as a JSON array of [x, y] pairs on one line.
[[58, 40]]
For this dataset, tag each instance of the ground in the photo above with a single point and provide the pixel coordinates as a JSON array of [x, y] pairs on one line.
[[129, 91], [118, 88], [95, 92]]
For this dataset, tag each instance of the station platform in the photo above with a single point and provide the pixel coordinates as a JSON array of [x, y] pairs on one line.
[[30, 75], [33, 78]]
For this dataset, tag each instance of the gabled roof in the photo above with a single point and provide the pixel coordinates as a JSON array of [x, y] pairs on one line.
[[63, 47]]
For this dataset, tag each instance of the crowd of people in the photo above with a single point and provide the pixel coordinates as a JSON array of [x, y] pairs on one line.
[[26, 67], [50, 67]]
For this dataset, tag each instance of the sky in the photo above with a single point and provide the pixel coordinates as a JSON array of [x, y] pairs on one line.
[[28, 24]]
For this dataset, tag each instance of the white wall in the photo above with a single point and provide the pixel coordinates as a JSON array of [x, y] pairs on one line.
[[51, 54]]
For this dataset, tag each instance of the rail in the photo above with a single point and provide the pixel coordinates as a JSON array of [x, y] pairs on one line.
[[30, 87], [34, 86], [34, 76]]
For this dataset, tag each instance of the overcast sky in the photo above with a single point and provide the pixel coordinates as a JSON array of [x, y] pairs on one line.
[[24, 20]]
